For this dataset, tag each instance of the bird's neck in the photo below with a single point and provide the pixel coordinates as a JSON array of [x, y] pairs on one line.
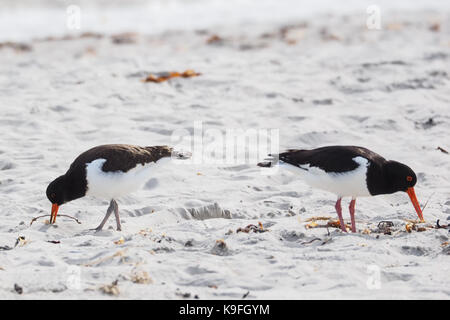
[[378, 181], [75, 187]]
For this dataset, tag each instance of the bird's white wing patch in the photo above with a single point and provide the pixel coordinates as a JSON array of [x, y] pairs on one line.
[[351, 183], [111, 185]]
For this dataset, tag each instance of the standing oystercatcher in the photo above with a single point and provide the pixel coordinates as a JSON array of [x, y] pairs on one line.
[[349, 171], [108, 172]]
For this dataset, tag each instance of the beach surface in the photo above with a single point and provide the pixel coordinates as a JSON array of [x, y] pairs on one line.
[[315, 80]]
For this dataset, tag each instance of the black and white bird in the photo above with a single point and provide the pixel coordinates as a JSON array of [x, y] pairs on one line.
[[108, 172], [349, 171]]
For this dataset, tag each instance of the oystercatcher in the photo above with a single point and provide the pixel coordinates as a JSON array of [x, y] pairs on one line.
[[349, 171], [108, 172]]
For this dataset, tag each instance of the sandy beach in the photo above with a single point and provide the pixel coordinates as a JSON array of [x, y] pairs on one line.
[[317, 79]]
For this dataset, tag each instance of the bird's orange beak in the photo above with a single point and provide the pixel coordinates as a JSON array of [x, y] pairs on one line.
[[412, 196], [55, 208]]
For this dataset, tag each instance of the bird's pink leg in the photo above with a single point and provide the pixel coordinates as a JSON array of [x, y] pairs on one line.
[[352, 214], [339, 212], [108, 213]]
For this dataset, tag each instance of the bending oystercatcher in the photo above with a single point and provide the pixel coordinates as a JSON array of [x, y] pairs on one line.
[[349, 171], [108, 172]]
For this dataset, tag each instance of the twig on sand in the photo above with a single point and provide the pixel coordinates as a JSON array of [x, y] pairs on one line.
[[438, 226], [59, 215], [442, 150], [163, 76], [425, 205], [120, 253], [308, 242], [313, 219], [330, 224]]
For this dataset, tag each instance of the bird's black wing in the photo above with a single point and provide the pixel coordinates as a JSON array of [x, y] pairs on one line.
[[120, 157], [330, 159]]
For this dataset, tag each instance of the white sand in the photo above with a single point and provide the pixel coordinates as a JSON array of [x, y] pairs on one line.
[[335, 82]]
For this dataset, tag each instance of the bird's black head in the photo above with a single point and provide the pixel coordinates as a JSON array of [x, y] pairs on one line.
[[57, 191], [400, 176]]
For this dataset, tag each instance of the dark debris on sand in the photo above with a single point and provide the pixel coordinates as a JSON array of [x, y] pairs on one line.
[[17, 46], [252, 227], [18, 288]]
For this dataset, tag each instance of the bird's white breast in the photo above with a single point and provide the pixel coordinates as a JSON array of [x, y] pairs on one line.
[[351, 183], [111, 185]]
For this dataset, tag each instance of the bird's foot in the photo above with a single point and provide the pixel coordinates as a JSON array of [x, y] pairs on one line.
[[97, 229]]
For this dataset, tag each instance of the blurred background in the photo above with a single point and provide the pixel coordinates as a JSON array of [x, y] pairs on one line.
[[76, 74], [22, 20]]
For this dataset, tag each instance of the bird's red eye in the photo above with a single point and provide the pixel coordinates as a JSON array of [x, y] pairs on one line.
[[409, 178]]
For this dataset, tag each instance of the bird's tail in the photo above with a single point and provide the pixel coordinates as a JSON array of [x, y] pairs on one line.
[[269, 162], [181, 155]]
